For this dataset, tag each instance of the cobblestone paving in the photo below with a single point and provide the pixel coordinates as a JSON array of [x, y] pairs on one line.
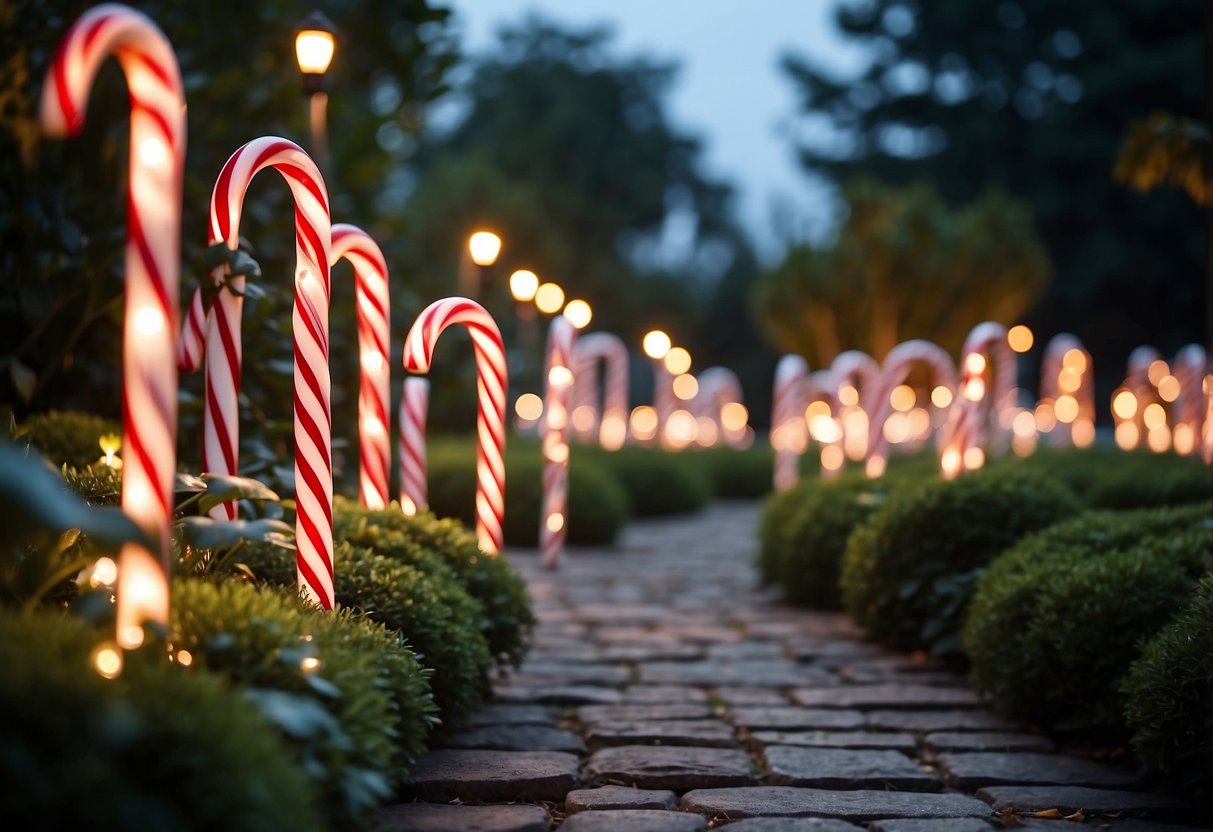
[[668, 692]]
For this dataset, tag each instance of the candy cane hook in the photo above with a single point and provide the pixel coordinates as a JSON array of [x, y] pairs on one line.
[[558, 381], [897, 365], [612, 426], [788, 430]]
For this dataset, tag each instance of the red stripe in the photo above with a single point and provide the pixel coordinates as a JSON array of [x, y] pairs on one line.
[[305, 177], [136, 235], [162, 73], [137, 451], [225, 446], [309, 577], [312, 382]]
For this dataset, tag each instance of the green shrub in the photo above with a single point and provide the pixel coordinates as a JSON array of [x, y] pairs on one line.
[[1106, 477], [777, 513], [68, 437], [98, 484], [437, 618], [1169, 697], [348, 694], [597, 503], [430, 545], [657, 483], [909, 571], [159, 748], [734, 474], [1057, 619]]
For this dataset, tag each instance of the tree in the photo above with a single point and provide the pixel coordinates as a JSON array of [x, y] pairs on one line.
[[905, 265]]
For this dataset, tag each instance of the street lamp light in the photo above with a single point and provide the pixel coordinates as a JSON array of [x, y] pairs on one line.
[[481, 252], [578, 313], [315, 41], [549, 298], [523, 286], [656, 344]]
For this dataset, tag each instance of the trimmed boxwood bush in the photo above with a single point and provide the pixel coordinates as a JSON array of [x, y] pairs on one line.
[[1169, 693], [434, 614], [909, 571], [159, 748], [1105, 477], [597, 503], [734, 474], [355, 720], [777, 514], [1057, 619], [68, 437], [657, 483], [429, 544]]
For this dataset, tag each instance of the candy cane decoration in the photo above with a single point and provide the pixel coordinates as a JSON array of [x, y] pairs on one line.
[[789, 436], [1188, 413], [414, 404], [558, 380], [664, 400], [719, 388], [310, 331], [973, 411], [897, 365], [857, 371], [1067, 371], [491, 381], [374, 325], [611, 427], [151, 266]]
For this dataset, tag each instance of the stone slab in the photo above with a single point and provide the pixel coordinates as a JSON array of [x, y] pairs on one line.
[[502, 714], [882, 740], [769, 673], [661, 767], [745, 697], [515, 738], [618, 797], [663, 695], [937, 825], [844, 768], [971, 771], [1109, 826], [1070, 799], [860, 806], [560, 695], [986, 741], [791, 825], [633, 713], [931, 721], [789, 717], [634, 820], [604, 675], [702, 732], [493, 776], [444, 817], [651, 652], [891, 696]]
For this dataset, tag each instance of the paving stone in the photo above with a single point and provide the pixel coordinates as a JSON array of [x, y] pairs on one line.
[[1103, 825], [882, 740], [608, 613], [791, 825], [634, 820], [661, 767], [743, 697], [500, 714], [900, 696], [937, 825], [768, 673], [450, 773], [1070, 799], [797, 718], [744, 650], [702, 732], [663, 695], [845, 768], [930, 721], [965, 741], [560, 695], [619, 797], [971, 771], [516, 738], [444, 817], [652, 653], [855, 806], [867, 675], [635, 636], [610, 676], [613, 713]]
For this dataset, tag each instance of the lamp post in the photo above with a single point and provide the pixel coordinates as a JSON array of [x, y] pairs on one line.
[[315, 40], [481, 252]]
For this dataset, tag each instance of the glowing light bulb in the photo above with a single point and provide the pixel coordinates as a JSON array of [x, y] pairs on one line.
[[848, 396], [560, 376], [941, 396], [372, 360], [555, 522], [149, 322], [578, 313], [685, 387], [677, 361], [656, 344], [107, 661], [185, 658], [523, 285], [152, 152], [549, 298], [975, 363], [903, 397], [483, 248], [1020, 338], [974, 458], [309, 664], [105, 572], [733, 416], [1124, 404], [528, 406]]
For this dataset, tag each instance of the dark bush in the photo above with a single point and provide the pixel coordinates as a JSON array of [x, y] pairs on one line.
[[160, 748], [909, 571], [1169, 697], [734, 474], [777, 514], [597, 503], [658, 483], [1057, 619], [428, 544], [348, 694], [433, 613], [68, 437], [1105, 477]]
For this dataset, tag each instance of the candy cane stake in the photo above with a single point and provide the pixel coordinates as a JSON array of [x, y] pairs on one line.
[[897, 365], [1189, 368], [664, 400], [850, 370], [788, 430], [719, 388], [1067, 371], [310, 331], [414, 404], [612, 426], [558, 379], [974, 409], [491, 382], [152, 257], [374, 325]]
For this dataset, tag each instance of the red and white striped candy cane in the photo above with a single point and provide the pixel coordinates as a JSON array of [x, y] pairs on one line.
[[1206, 430], [558, 382], [1138, 382], [414, 404], [310, 330], [897, 366], [1189, 367], [1065, 355], [788, 431], [664, 400], [859, 371], [492, 379], [718, 387], [975, 408], [152, 257], [611, 425], [373, 313]]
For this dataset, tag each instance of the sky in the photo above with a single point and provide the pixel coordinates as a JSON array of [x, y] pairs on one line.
[[730, 91]]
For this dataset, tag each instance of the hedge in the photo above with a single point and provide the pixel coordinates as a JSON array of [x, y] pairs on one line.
[[657, 483]]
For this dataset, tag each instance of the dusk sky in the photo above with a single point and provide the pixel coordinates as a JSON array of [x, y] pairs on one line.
[[730, 92]]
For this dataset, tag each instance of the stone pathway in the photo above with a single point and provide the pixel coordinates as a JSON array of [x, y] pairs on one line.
[[667, 692]]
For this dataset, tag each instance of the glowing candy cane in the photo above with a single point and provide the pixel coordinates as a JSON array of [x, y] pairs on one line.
[[491, 382], [897, 365], [972, 410], [720, 399], [788, 430], [613, 424], [374, 325], [152, 257], [558, 377], [1067, 384], [853, 378], [1188, 413], [414, 402]]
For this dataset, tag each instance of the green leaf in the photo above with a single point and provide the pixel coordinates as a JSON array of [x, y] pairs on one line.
[[208, 533], [222, 489], [299, 717]]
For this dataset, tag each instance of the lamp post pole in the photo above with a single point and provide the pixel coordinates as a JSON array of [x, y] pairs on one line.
[[315, 40]]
